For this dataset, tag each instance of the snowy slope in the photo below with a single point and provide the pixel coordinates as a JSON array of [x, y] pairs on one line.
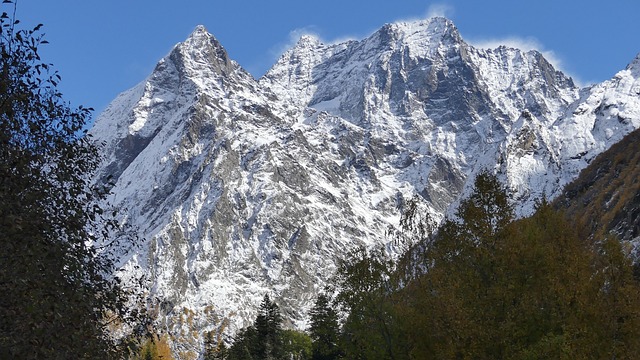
[[244, 186]]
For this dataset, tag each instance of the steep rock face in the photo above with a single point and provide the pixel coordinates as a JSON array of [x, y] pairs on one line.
[[440, 104], [243, 187], [180, 146], [603, 115]]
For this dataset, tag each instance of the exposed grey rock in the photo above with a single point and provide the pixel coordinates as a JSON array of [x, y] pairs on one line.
[[244, 186]]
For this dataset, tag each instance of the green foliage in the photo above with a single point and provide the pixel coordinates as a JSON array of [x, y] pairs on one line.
[[619, 292], [485, 213], [245, 346], [499, 288], [324, 330], [264, 339], [59, 293], [367, 286], [492, 287], [268, 326], [296, 345]]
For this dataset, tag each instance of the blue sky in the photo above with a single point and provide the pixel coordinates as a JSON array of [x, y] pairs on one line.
[[102, 48]]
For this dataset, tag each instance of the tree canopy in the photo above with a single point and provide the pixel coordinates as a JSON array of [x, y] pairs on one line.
[[324, 330], [530, 288], [265, 339], [59, 290]]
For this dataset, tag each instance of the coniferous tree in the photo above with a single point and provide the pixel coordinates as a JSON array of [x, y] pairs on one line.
[[324, 330], [263, 339], [245, 345], [269, 330]]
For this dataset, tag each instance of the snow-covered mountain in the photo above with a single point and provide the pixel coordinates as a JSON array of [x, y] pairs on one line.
[[243, 186]]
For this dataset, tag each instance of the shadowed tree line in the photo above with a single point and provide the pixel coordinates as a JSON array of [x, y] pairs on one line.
[[489, 286], [265, 339], [60, 297]]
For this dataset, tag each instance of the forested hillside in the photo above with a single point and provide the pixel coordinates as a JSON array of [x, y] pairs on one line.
[[606, 196]]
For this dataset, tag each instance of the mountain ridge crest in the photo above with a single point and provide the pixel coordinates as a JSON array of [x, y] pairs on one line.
[[244, 187]]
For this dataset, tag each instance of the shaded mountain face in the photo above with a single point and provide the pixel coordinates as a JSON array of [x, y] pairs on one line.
[[242, 186], [605, 198]]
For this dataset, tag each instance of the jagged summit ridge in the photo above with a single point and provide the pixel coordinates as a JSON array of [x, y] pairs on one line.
[[245, 186], [201, 50], [634, 66], [311, 73], [421, 34]]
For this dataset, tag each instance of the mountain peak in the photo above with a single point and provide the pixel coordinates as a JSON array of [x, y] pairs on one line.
[[202, 51], [421, 32], [634, 65], [244, 188], [201, 38], [199, 31], [436, 23], [309, 39]]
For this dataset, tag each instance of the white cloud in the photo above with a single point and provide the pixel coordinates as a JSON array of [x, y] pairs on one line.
[[441, 10], [294, 35]]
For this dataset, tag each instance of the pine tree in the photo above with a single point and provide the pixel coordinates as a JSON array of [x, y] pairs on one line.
[[324, 330], [245, 346], [269, 330], [263, 339]]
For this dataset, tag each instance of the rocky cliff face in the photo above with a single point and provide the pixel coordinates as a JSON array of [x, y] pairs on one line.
[[244, 186]]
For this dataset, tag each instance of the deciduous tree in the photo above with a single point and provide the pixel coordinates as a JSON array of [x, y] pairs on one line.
[[367, 285], [59, 292], [532, 288]]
